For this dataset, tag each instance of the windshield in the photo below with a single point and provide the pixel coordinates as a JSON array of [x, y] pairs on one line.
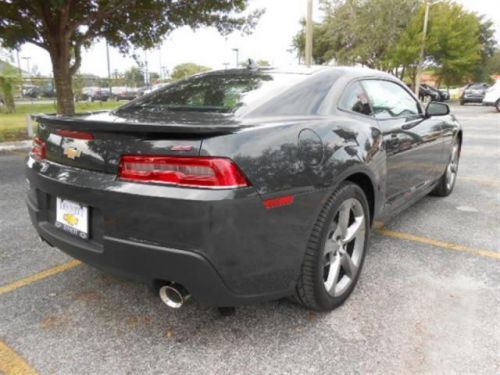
[[215, 92]]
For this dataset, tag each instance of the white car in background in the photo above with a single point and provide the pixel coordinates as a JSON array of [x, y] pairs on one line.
[[492, 96]]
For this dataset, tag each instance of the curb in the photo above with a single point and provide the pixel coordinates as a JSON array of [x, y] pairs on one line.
[[6, 147]]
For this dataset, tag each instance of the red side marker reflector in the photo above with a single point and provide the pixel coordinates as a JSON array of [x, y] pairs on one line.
[[75, 134], [280, 201]]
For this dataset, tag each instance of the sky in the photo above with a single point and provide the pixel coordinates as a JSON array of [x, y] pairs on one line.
[[271, 40]]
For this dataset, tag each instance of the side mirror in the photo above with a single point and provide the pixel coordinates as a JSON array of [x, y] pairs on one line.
[[437, 109]]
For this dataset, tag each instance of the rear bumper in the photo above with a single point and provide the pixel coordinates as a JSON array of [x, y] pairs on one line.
[[223, 246]]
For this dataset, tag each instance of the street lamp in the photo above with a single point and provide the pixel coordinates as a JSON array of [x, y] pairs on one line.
[[428, 4], [237, 51], [309, 34], [27, 58]]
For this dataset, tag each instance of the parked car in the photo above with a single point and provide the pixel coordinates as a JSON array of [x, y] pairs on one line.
[[492, 96], [125, 93], [239, 186], [428, 93], [93, 94], [473, 93], [30, 91]]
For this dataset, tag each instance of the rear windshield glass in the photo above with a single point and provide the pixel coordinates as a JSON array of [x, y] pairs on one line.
[[224, 93]]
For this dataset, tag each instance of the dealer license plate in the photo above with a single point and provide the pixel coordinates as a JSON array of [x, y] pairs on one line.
[[72, 217]]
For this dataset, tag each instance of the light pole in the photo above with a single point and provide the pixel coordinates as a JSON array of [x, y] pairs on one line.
[[309, 34], [428, 4], [109, 70], [237, 51], [27, 58]]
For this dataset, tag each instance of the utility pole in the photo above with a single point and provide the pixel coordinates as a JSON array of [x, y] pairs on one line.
[[27, 58], [422, 48], [237, 56], [18, 63], [161, 66], [109, 69], [146, 73], [309, 33]]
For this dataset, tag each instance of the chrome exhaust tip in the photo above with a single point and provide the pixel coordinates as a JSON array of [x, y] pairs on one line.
[[174, 295]]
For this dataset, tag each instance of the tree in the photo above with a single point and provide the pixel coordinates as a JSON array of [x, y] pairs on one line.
[[134, 77], [64, 27], [487, 36], [185, 70], [493, 64], [359, 31], [9, 82]]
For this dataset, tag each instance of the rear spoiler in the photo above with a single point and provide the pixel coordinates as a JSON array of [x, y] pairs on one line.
[[79, 122]]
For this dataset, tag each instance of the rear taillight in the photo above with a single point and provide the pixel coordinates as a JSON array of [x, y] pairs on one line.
[[38, 149], [204, 172]]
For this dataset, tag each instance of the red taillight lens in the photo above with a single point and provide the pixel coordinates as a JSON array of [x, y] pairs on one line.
[[182, 171], [75, 134], [38, 149]]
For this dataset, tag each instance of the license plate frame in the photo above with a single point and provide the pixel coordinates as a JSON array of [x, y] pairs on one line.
[[72, 217]]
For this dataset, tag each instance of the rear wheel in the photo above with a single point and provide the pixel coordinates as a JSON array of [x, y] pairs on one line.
[[448, 179], [335, 251], [497, 105]]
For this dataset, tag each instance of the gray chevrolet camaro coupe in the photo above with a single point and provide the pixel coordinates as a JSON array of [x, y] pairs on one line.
[[243, 185]]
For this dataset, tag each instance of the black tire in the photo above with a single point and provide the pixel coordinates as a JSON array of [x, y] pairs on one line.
[[462, 102], [497, 105], [444, 187], [311, 290]]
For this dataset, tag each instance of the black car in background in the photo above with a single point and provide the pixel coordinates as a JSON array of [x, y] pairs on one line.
[[473, 93], [243, 185], [428, 93]]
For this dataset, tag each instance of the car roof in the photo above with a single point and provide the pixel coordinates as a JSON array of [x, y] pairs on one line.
[[309, 71]]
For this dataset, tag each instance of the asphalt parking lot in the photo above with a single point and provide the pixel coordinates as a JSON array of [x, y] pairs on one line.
[[428, 299]]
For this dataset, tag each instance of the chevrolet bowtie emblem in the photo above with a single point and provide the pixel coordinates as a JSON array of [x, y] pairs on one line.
[[72, 153]]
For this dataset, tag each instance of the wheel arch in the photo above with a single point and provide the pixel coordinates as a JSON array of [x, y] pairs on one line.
[[366, 184]]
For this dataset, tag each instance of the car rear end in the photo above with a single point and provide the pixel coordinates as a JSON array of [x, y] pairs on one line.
[[492, 96], [163, 193], [473, 94], [150, 209]]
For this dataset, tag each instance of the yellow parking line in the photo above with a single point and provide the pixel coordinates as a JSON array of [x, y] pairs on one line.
[[439, 243], [485, 180], [12, 363], [38, 276]]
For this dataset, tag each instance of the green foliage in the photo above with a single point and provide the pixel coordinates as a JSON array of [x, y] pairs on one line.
[[387, 35], [453, 44], [358, 31], [9, 82], [134, 77], [185, 70], [493, 64], [124, 24]]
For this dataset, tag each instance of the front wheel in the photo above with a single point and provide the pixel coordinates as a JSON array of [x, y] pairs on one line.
[[497, 105], [447, 181], [336, 250]]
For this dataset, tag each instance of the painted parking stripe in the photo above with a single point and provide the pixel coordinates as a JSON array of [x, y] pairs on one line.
[[480, 179], [438, 243], [12, 363], [39, 276]]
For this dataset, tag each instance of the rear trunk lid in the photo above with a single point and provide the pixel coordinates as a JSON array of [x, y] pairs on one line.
[[97, 141]]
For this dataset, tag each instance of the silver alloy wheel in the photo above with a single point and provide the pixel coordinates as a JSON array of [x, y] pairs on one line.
[[344, 247], [451, 170]]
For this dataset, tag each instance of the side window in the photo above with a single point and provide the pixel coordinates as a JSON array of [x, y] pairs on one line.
[[355, 99], [389, 100]]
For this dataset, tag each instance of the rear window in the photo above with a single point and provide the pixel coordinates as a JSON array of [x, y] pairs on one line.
[[239, 93]]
